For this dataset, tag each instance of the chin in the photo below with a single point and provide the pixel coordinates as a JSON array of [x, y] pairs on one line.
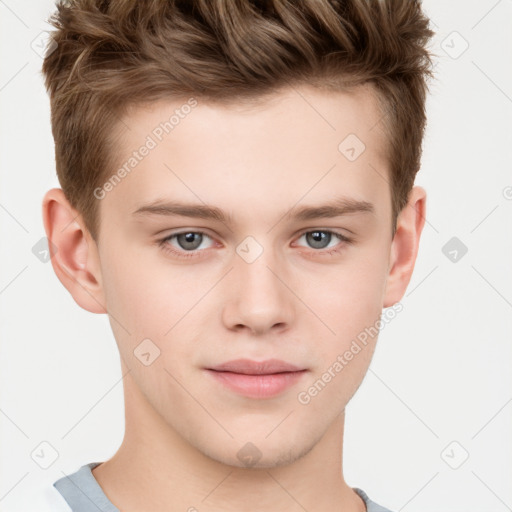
[[261, 455]]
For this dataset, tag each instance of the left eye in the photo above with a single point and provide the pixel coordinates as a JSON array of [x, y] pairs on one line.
[[320, 239]]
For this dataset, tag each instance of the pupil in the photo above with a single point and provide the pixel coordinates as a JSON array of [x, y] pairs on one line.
[[186, 240], [318, 237]]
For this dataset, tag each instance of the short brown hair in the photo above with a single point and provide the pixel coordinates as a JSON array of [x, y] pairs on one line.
[[111, 55]]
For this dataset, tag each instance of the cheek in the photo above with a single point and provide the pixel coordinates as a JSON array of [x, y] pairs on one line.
[[349, 298], [157, 303], [149, 296], [350, 304], [328, 392]]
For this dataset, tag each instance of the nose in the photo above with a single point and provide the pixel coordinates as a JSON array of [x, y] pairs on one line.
[[259, 295]]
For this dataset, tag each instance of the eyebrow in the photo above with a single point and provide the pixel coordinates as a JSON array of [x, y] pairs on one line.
[[336, 208]]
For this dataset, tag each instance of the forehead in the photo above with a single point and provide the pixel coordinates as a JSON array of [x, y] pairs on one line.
[[299, 141]]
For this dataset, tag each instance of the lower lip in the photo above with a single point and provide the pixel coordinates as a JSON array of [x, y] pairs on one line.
[[257, 386]]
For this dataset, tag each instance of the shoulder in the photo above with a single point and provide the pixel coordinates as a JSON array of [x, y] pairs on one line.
[[371, 506], [42, 499]]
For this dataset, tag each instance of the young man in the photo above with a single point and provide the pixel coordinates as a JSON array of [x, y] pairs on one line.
[[237, 195]]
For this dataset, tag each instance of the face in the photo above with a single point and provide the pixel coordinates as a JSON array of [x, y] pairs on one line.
[[248, 232]]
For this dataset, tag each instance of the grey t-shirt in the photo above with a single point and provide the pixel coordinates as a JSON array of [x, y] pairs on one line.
[[83, 493]]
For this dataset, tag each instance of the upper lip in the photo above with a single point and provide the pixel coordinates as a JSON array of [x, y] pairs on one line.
[[250, 367]]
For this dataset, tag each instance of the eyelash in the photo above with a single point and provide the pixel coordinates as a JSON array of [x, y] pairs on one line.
[[191, 254]]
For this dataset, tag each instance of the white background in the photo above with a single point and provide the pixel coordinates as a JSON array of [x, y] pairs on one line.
[[442, 369]]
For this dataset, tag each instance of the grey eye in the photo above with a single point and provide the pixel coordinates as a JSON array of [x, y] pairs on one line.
[[318, 239], [190, 240]]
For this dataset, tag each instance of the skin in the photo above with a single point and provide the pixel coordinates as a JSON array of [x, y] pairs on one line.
[[294, 302]]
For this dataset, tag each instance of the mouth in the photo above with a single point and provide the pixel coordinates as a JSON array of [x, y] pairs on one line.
[[257, 379]]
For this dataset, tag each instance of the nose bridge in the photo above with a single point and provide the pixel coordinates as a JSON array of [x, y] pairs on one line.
[[256, 264], [259, 300]]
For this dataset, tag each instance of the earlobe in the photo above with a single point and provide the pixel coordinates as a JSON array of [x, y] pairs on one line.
[[404, 247], [74, 256]]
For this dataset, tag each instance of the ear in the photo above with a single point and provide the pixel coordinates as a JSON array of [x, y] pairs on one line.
[[404, 246], [73, 252]]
